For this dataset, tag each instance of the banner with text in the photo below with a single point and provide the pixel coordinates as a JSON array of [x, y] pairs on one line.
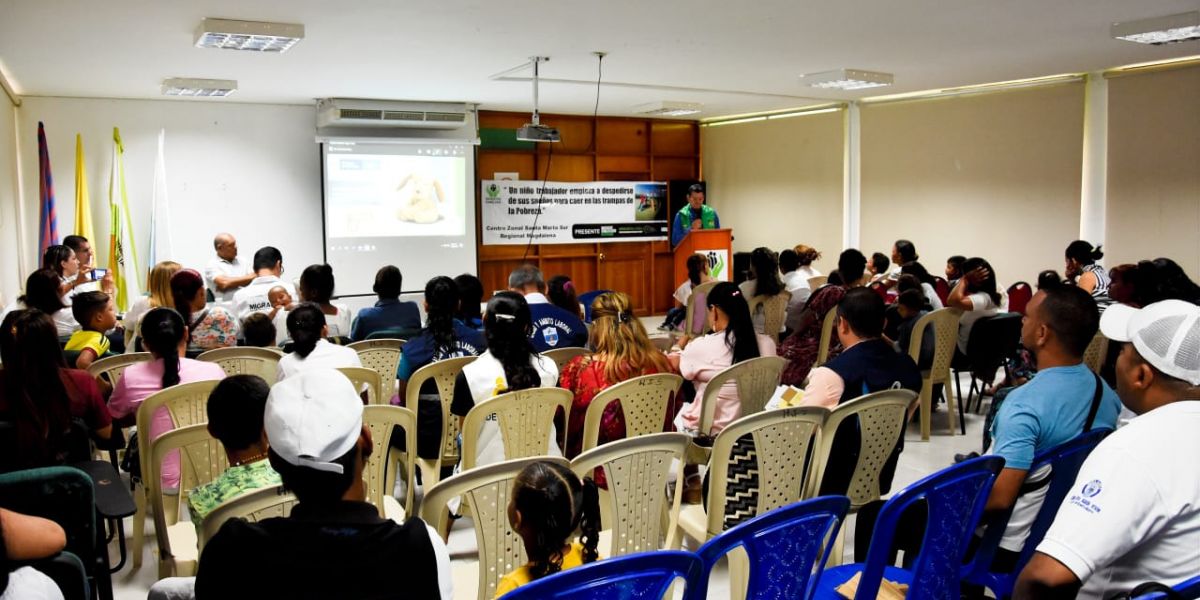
[[514, 212]]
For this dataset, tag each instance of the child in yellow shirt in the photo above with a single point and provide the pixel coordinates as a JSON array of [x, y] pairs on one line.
[[548, 503], [96, 314]]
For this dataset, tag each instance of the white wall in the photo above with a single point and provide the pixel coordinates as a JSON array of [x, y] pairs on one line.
[[250, 169], [10, 278]]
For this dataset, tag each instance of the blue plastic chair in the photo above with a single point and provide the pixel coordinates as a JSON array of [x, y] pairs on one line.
[[586, 299], [787, 548], [643, 575], [955, 497], [1064, 460], [1189, 589]]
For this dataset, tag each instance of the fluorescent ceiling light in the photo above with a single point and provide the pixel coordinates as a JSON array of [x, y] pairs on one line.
[[1159, 30], [201, 88], [847, 79], [252, 36], [666, 108]]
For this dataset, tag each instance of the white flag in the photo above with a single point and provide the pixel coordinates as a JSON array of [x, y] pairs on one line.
[[160, 212]]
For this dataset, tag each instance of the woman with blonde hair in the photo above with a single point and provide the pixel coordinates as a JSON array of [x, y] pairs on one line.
[[622, 351], [159, 283]]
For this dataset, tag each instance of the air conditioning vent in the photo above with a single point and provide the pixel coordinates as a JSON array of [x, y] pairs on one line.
[[349, 112], [443, 117], [403, 115], [358, 113]]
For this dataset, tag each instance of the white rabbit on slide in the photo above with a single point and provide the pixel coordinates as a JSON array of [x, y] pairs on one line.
[[419, 196]]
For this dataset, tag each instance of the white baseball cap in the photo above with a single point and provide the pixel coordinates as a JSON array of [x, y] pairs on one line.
[[313, 418], [1166, 334]]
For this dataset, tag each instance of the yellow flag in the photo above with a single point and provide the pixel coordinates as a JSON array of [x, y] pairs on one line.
[[83, 207]]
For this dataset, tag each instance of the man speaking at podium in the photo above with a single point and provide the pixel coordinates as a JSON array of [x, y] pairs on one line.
[[696, 215]]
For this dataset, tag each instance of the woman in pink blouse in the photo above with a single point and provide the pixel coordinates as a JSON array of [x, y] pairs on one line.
[[209, 327], [165, 336]]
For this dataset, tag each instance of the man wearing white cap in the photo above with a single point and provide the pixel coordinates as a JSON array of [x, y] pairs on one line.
[[334, 544], [1134, 513]]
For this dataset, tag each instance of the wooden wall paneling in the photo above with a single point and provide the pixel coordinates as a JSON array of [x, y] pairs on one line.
[[566, 167], [623, 136], [668, 168], [674, 138], [491, 163], [625, 266]]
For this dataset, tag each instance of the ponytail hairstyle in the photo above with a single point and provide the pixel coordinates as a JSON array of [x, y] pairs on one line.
[[1083, 253], [906, 251], [765, 265], [470, 294], [185, 284], [696, 264], [316, 284], [38, 403], [41, 291], [806, 254], [162, 331], [919, 271], [507, 326], [619, 335], [739, 335], [306, 326], [159, 283], [561, 293], [552, 502], [441, 294]]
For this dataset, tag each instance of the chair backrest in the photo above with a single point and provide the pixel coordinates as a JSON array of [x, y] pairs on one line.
[[645, 575], [776, 444], [112, 367], [443, 374], [942, 288], [245, 360], [756, 380], [382, 356], [945, 334], [379, 473], [881, 418], [817, 281], [485, 494], [562, 356], [1019, 295], [525, 418], [993, 339], [65, 495], [1096, 352], [68, 573], [826, 336], [187, 403], [1188, 590], [362, 377], [253, 506], [586, 300], [955, 498], [696, 321], [636, 471], [774, 311], [643, 401], [787, 547], [202, 459], [1064, 461]]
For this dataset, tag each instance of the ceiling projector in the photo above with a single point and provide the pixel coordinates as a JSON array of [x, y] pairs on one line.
[[537, 133]]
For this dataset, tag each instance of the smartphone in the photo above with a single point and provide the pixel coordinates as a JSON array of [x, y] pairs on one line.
[[98, 274]]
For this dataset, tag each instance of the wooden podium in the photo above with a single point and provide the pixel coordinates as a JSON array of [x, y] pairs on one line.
[[716, 243]]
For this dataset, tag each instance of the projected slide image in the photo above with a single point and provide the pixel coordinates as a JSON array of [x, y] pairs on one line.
[[380, 195], [651, 202]]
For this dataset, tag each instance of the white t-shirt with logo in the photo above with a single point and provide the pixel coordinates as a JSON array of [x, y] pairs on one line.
[[219, 267], [324, 356], [485, 379], [1133, 514], [254, 297]]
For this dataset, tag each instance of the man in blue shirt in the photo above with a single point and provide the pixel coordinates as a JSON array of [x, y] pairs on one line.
[[389, 312], [553, 327], [696, 215]]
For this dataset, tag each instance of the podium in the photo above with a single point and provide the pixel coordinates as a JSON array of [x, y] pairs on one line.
[[716, 244]]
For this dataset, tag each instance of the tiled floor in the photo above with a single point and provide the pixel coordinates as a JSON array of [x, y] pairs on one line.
[[918, 460]]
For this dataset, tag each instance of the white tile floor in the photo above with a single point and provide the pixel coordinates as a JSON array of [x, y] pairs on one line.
[[918, 460]]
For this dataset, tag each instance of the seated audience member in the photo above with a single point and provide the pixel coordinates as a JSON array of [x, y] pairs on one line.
[[561, 292], [917, 270], [235, 417], [906, 283], [552, 327], [954, 270], [334, 544], [1083, 271], [867, 364], [209, 327], [42, 293], [226, 273], [878, 267], [95, 313], [1133, 514], [268, 266], [85, 279], [165, 336], [470, 298], [281, 300], [1048, 279], [549, 503], [764, 281], [40, 396], [1163, 279], [697, 268], [807, 255], [158, 295], [316, 287], [1122, 284], [62, 260], [910, 307], [389, 312], [903, 253], [509, 364], [795, 282], [443, 337], [26, 538], [310, 349], [258, 331], [622, 351], [800, 348], [976, 295]]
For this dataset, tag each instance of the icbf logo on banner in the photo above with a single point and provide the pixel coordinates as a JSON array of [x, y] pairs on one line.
[[718, 263]]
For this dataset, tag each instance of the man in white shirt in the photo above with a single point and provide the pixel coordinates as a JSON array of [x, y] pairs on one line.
[[227, 273], [1134, 513], [796, 282], [268, 266]]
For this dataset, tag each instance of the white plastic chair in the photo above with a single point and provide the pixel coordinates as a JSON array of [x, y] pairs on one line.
[[241, 360], [644, 403], [253, 506], [382, 356], [526, 421], [945, 332]]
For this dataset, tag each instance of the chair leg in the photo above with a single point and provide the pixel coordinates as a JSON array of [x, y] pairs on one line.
[[957, 388], [739, 573], [139, 526], [953, 407], [926, 409]]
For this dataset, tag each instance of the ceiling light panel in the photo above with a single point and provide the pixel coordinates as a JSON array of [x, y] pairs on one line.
[[1159, 30], [250, 36], [847, 79], [198, 88], [667, 108]]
